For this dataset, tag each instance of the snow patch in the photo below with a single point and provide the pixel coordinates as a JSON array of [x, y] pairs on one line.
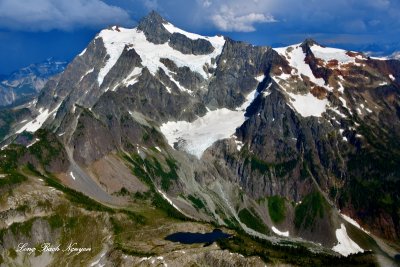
[[183, 89], [170, 202], [72, 175], [34, 142], [144, 259], [353, 222], [267, 90], [308, 105], [84, 75], [114, 44], [215, 40], [391, 77], [260, 78], [344, 103], [239, 145], [345, 245], [36, 123], [82, 53], [338, 112], [341, 87], [328, 53], [159, 149], [132, 77], [96, 262], [195, 137], [276, 231]]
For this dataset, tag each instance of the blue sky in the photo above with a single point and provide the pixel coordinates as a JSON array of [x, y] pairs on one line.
[[32, 30]]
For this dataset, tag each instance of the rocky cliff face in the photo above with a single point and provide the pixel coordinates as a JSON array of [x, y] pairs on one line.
[[271, 141]]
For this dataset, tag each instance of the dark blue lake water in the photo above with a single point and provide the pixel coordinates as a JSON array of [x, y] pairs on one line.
[[192, 238]]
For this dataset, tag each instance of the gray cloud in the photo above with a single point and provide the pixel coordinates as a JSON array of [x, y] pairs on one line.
[[46, 15]]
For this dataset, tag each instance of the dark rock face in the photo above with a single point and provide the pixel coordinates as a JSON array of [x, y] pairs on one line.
[[310, 59], [126, 63], [92, 139], [155, 32], [156, 103], [188, 46], [76, 80], [153, 28], [187, 78], [48, 152], [237, 67]]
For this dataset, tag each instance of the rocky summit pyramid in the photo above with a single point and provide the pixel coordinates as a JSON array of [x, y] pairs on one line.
[[149, 131]]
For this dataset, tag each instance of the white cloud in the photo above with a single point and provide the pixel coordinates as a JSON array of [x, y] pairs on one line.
[[228, 20], [46, 15], [380, 4], [207, 3], [151, 4]]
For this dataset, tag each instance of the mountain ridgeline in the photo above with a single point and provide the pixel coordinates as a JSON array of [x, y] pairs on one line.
[[295, 144]]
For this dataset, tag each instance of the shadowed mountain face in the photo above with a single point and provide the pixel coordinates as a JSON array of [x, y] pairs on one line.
[[286, 143], [26, 83]]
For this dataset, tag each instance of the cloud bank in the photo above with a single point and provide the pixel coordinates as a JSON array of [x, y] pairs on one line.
[[46, 15]]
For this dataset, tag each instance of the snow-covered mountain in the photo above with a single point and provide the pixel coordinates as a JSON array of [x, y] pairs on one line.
[[27, 82], [295, 146], [395, 55]]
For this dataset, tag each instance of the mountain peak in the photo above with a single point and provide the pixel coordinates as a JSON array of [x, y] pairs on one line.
[[152, 26], [153, 17], [309, 42]]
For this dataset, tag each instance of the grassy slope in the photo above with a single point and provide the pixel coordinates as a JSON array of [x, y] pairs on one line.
[[128, 226]]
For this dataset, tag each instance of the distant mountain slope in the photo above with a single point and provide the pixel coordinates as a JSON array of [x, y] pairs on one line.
[[395, 55], [27, 82]]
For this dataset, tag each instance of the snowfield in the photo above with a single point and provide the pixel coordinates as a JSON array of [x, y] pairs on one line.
[[328, 53], [345, 245], [308, 105], [195, 137], [116, 40]]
